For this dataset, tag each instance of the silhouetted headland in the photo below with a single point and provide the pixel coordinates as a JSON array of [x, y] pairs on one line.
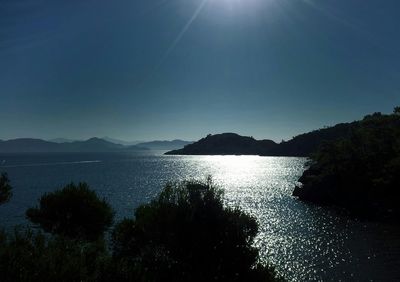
[[226, 144], [360, 171], [302, 145]]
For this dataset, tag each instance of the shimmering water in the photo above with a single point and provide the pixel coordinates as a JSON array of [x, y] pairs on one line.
[[303, 241]]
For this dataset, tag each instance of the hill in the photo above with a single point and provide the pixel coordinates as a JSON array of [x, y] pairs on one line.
[[92, 145], [62, 140], [121, 142], [165, 145], [360, 171], [29, 145], [233, 144], [226, 144], [304, 145]]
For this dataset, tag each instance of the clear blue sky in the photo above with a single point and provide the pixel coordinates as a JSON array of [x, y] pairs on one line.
[[165, 69]]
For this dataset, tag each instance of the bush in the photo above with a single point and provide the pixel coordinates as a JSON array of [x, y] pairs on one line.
[[75, 212], [186, 234], [29, 256], [5, 189]]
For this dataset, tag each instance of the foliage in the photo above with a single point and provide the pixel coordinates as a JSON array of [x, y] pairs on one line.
[[360, 172], [304, 145], [5, 189], [186, 234], [29, 256], [74, 212]]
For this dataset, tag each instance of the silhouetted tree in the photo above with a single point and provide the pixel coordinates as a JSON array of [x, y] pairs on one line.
[[187, 234], [26, 255], [359, 171], [75, 212], [5, 189]]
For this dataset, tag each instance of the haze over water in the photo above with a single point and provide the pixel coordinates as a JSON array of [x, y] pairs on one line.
[[303, 241]]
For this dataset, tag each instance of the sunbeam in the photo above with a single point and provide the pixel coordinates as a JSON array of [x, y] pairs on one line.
[[196, 13], [186, 28]]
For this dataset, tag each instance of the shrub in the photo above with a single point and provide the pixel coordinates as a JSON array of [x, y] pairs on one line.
[[29, 256], [5, 189], [186, 234], [75, 212]]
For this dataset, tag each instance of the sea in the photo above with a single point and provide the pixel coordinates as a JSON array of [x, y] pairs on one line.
[[302, 241]]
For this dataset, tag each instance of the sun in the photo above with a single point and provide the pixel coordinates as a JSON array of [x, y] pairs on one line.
[[238, 6]]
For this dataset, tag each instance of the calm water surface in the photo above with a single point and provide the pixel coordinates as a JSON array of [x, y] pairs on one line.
[[303, 241]]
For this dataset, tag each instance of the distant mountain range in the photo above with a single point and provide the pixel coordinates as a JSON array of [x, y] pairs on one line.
[[62, 140], [219, 144], [30, 145], [233, 144], [109, 139], [165, 145], [121, 142]]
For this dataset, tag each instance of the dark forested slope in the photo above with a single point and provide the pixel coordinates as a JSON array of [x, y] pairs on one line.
[[361, 171], [233, 144], [226, 144]]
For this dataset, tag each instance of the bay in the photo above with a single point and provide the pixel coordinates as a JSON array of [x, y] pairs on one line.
[[304, 242]]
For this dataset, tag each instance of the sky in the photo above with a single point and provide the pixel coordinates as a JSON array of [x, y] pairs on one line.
[[166, 69]]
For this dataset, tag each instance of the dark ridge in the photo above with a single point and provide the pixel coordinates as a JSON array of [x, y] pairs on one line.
[[305, 144], [27, 145], [61, 140], [359, 172], [302, 145], [226, 144]]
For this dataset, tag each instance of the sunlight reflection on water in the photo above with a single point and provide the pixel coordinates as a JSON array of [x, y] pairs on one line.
[[303, 241]]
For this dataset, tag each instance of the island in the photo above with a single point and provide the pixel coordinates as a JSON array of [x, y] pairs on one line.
[[302, 145], [226, 144]]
